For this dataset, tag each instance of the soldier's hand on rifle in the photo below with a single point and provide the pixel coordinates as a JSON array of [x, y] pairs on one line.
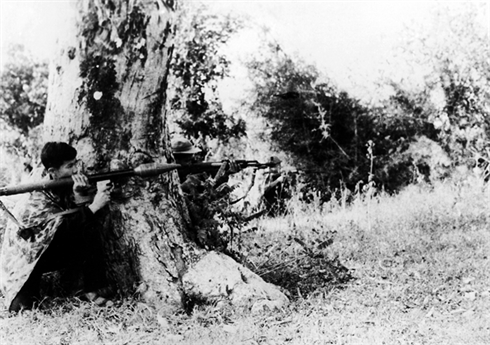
[[232, 167], [103, 196], [81, 188], [80, 184]]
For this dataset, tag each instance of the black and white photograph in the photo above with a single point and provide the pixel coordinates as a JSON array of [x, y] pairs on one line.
[[244, 172]]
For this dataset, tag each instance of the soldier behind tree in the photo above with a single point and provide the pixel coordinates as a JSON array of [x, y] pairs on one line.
[[186, 154], [202, 192]]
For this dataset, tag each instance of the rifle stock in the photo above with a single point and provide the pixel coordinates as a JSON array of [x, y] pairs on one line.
[[143, 170]]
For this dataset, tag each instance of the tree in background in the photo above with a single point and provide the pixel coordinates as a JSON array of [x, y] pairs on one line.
[[336, 140], [23, 90], [23, 96], [403, 122], [196, 68], [454, 93], [311, 121], [420, 132]]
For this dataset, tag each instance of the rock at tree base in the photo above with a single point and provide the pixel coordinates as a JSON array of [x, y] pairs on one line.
[[217, 277]]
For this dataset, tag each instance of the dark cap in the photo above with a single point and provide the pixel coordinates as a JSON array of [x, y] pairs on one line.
[[275, 160], [183, 146]]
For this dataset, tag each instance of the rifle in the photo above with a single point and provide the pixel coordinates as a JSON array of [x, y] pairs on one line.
[[213, 167], [143, 170]]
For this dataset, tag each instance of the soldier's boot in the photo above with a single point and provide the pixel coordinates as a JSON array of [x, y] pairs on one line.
[[27, 295]]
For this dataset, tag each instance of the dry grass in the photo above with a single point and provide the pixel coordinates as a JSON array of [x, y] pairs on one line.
[[419, 261]]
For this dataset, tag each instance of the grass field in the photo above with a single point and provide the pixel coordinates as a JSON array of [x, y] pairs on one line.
[[410, 269]]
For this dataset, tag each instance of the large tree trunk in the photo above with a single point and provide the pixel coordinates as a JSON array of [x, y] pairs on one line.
[[107, 98]]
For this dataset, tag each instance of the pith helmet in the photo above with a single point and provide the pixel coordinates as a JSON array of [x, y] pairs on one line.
[[183, 146]]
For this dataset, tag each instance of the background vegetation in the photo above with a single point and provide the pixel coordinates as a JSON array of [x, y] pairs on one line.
[[198, 65], [420, 131]]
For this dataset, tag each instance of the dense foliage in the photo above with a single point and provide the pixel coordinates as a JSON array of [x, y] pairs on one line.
[[23, 90], [198, 65], [455, 90], [419, 133], [329, 135], [23, 96]]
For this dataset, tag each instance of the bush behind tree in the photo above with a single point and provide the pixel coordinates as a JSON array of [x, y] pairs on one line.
[[23, 96], [23, 90], [421, 132], [335, 139], [454, 92], [197, 66]]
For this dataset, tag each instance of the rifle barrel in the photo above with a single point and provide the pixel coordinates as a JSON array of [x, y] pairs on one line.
[[209, 167], [213, 167], [143, 170]]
